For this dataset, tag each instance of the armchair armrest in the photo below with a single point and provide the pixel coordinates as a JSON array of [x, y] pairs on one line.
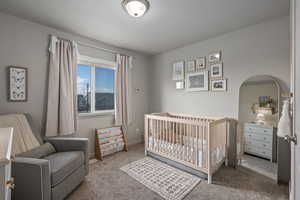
[[63, 144], [32, 178]]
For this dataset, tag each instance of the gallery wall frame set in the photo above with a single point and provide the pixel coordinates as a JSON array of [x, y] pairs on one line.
[[17, 84], [196, 77]]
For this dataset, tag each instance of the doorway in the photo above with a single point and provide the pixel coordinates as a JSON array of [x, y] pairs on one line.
[[259, 112]]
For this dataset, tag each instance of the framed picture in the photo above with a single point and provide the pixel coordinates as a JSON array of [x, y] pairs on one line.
[[178, 71], [219, 85], [214, 57], [17, 83], [179, 85], [191, 66], [200, 63], [216, 70], [197, 81]]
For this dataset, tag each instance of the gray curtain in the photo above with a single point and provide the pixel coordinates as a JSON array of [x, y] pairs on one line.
[[62, 102], [123, 101]]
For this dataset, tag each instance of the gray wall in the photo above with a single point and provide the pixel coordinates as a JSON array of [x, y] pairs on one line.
[[23, 43], [256, 50]]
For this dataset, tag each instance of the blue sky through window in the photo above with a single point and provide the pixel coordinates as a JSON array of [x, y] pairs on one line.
[[105, 80], [83, 79]]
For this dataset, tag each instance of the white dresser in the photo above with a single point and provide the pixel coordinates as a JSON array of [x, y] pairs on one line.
[[6, 182], [260, 140]]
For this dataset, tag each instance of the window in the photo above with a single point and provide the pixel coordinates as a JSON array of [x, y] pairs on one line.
[[95, 86]]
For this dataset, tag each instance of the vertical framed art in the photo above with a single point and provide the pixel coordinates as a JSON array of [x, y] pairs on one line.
[[191, 66], [200, 63], [178, 71], [17, 84], [216, 70]]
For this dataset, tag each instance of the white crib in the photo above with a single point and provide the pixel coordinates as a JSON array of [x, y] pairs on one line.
[[196, 142]]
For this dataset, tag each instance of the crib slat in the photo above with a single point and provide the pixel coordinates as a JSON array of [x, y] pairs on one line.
[[189, 143], [194, 143], [203, 151], [168, 137], [197, 149], [181, 142], [159, 136], [154, 134]]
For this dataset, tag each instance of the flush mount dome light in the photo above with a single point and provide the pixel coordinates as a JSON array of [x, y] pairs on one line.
[[136, 8]]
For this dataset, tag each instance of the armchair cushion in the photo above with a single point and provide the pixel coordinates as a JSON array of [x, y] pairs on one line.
[[63, 164], [65, 144], [39, 152]]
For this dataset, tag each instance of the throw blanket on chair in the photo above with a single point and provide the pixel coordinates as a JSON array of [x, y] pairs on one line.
[[23, 139]]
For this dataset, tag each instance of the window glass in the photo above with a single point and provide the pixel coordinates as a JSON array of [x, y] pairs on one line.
[[84, 88], [104, 88]]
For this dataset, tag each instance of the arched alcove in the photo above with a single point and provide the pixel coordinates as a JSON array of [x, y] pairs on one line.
[[259, 106], [257, 86]]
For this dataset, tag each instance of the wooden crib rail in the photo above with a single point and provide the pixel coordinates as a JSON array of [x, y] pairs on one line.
[[191, 121]]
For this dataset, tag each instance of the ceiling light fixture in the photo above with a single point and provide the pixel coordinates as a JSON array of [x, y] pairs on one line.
[[136, 8]]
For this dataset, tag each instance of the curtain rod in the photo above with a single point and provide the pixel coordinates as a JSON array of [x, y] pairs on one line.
[[96, 47], [102, 49]]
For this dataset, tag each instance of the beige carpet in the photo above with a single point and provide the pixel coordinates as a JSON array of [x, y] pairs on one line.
[[107, 182], [261, 166], [167, 181]]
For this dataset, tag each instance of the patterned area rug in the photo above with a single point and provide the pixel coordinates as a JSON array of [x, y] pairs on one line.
[[168, 182]]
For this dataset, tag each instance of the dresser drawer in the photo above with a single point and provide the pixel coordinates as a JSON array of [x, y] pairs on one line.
[[258, 130], [258, 137], [266, 153], [259, 144]]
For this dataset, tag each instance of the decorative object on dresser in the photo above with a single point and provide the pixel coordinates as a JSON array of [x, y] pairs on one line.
[[17, 84], [200, 63], [216, 70], [219, 85], [214, 57], [109, 140], [6, 182], [197, 81], [260, 140], [179, 85], [191, 66], [178, 71]]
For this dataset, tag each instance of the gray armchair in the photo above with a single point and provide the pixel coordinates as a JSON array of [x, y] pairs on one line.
[[51, 171]]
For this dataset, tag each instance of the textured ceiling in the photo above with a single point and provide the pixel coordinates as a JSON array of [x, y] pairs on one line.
[[167, 25]]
